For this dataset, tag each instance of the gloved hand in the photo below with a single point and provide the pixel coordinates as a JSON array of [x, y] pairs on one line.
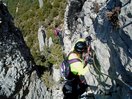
[[88, 40], [90, 60]]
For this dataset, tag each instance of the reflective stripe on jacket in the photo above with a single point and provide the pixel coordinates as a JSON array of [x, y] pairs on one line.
[[77, 68]]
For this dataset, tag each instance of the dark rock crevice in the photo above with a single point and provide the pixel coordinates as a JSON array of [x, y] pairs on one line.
[[75, 7]]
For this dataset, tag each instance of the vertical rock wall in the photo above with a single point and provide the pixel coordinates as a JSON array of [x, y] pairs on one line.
[[112, 45], [41, 38], [18, 73]]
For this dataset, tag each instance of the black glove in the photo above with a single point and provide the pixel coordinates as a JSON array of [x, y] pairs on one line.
[[90, 60], [88, 40]]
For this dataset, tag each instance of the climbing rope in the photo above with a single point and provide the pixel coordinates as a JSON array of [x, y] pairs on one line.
[[94, 64]]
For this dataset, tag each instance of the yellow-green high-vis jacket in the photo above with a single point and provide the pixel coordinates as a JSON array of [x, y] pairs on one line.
[[77, 68]]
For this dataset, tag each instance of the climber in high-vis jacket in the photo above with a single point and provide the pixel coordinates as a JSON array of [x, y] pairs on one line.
[[76, 83]]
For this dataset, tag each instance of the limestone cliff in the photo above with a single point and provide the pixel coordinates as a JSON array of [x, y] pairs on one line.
[[18, 73], [112, 76]]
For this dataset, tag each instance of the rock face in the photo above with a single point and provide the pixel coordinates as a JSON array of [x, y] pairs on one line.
[[40, 3], [50, 42], [112, 77], [18, 76], [41, 38]]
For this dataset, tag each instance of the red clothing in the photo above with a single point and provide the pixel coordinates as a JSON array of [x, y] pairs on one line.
[[56, 31]]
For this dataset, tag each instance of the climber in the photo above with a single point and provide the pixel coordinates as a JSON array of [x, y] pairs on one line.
[[58, 32], [76, 83]]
